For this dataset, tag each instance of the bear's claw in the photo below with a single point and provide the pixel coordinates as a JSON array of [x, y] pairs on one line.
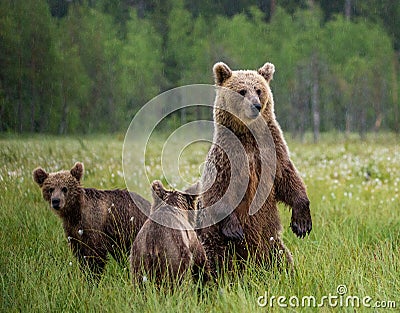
[[302, 228], [301, 223]]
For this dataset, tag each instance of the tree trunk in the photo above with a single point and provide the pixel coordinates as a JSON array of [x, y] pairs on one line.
[[347, 9], [33, 109], [64, 111], [299, 103], [378, 98], [395, 91], [3, 122], [378, 122], [272, 7], [364, 96], [315, 96], [363, 124], [19, 105], [348, 121], [33, 97]]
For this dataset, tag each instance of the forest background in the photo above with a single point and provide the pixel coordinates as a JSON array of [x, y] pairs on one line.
[[71, 67]]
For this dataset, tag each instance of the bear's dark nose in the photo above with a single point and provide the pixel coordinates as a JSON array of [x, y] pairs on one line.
[[55, 203], [257, 106]]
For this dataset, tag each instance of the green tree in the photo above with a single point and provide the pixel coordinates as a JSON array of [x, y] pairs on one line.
[[307, 62], [243, 39], [9, 64], [188, 48], [73, 82], [140, 69], [27, 61], [360, 55], [98, 46]]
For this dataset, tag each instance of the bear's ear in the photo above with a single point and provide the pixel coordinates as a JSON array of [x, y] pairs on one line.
[[39, 176], [157, 190], [77, 171], [221, 73], [267, 71]]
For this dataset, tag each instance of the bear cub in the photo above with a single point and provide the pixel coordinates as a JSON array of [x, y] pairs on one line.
[[96, 222], [168, 251]]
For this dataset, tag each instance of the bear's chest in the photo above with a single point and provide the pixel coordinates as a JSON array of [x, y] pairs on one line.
[[253, 160]]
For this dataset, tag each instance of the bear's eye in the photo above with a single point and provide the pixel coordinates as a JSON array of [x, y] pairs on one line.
[[64, 189], [50, 190], [258, 92], [243, 92]]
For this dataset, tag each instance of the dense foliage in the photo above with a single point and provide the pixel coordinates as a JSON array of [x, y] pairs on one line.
[[88, 66]]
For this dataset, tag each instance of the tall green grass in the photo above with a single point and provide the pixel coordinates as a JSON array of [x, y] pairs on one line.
[[354, 191]]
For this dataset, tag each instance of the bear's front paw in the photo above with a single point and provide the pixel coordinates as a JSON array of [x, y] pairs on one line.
[[301, 223], [231, 228]]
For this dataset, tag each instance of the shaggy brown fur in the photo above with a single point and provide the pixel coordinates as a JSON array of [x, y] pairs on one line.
[[96, 222], [160, 252], [246, 118]]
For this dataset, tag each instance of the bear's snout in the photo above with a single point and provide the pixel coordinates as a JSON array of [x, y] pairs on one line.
[[257, 106], [55, 203]]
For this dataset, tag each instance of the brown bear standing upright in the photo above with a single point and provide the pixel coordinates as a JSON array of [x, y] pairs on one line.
[[244, 116], [169, 250], [96, 222]]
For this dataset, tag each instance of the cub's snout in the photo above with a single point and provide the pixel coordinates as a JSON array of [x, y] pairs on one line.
[[55, 203]]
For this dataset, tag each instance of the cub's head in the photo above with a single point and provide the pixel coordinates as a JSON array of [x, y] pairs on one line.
[[180, 200], [245, 94], [61, 189]]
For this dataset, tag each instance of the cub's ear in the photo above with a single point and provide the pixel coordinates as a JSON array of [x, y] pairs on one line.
[[221, 73], [191, 201], [157, 190], [39, 176], [267, 71], [77, 171]]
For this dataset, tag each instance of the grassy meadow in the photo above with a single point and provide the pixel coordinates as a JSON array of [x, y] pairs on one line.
[[353, 249]]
